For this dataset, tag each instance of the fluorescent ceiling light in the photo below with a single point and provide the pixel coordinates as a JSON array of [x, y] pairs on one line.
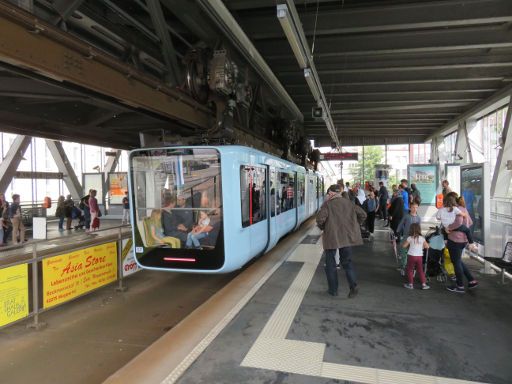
[[312, 84], [290, 30]]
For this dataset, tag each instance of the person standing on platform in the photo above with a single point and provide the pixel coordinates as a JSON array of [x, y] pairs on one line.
[[68, 211], [371, 205], [405, 192], [340, 222], [383, 200], [93, 207], [446, 187], [126, 209], [6, 225], [18, 229], [60, 212], [403, 231], [415, 194]]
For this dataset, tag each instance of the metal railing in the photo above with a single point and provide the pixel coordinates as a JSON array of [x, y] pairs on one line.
[[37, 254]]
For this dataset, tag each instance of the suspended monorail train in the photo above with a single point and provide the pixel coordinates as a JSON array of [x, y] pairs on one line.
[[211, 209]]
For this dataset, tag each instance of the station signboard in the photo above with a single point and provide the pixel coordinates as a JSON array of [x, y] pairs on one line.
[[72, 274], [340, 156], [425, 177], [13, 294]]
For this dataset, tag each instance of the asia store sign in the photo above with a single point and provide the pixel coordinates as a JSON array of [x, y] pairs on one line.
[[13, 294], [72, 274], [128, 258]]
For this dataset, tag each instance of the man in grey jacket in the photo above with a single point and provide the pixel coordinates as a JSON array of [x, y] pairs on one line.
[[340, 220]]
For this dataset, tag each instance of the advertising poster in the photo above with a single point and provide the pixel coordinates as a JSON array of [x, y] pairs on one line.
[[129, 264], [472, 183], [118, 184], [13, 293], [72, 274], [425, 178], [93, 181]]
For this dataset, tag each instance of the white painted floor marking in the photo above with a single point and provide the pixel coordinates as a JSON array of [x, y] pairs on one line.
[[273, 351]]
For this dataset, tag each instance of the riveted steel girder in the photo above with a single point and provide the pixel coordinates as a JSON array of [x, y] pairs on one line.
[[28, 42]]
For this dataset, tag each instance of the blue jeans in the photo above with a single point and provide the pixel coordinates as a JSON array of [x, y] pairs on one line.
[[346, 263], [193, 239], [61, 222], [461, 270]]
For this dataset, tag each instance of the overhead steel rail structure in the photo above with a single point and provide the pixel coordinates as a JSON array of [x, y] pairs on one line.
[[387, 72]]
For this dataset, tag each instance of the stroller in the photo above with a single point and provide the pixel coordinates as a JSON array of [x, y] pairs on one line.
[[434, 255], [77, 215]]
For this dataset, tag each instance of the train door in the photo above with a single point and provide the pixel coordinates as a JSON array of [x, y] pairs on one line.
[[255, 230], [274, 205]]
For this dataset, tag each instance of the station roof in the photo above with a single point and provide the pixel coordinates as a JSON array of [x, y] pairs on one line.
[[393, 71]]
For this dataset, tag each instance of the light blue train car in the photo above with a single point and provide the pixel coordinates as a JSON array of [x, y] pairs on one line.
[[211, 209]]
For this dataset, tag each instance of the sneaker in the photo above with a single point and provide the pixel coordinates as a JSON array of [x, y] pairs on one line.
[[425, 286], [338, 266], [353, 292], [453, 278], [408, 286], [472, 284], [456, 289]]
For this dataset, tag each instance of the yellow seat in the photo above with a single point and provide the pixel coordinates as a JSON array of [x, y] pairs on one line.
[[172, 242]]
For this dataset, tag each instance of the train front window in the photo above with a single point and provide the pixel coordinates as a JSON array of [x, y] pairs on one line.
[[178, 208]]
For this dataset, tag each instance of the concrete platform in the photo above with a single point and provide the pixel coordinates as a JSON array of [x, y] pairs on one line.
[[291, 331]]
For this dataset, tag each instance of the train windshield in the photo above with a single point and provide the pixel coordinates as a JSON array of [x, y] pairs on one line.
[[177, 207]]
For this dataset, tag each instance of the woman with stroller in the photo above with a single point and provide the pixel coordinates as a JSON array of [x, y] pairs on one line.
[[457, 241]]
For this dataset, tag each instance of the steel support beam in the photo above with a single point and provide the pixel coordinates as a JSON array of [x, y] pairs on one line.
[[27, 42], [64, 166], [65, 9], [492, 102], [462, 146], [168, 51], [12, 160], [502, 175]]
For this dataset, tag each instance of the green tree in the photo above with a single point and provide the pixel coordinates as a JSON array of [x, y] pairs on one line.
[[373, 155]]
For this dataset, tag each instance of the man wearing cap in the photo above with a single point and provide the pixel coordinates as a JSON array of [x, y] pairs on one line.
[[340, 221]]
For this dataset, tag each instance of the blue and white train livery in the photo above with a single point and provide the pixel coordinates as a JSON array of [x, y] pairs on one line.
[[211, 209]]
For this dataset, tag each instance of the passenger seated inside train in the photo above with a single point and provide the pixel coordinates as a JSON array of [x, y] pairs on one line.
[[176, 222], [154, 233], [199, 231]]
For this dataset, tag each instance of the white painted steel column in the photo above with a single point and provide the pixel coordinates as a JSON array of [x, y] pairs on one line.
[[502, 176], [12, 160], [64, 166]]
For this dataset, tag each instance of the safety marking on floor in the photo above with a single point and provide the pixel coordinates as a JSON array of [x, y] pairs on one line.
[[207, 340], [273, 351]]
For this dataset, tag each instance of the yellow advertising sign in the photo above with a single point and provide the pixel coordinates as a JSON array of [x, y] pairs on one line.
[[13, 293], [73, 274]]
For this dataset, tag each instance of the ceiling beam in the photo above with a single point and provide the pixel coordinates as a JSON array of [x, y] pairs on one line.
[[398, 108], [65, 9], [398, 43], [374, 19]]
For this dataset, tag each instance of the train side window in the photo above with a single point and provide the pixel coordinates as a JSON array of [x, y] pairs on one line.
[[252, 192], [286, 191], [274, 202], [301, 190]]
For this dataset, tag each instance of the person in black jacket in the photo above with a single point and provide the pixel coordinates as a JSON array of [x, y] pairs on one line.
[[383, 200], [396, 212]]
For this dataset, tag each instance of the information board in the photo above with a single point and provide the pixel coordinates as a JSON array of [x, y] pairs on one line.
[[473, 191], [13, 293], [425, 178], [72, 274]]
